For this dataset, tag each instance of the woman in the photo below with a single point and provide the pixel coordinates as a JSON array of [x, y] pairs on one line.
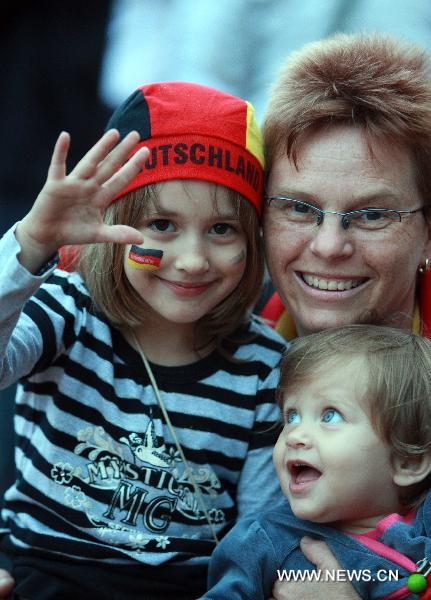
[[348, 130]]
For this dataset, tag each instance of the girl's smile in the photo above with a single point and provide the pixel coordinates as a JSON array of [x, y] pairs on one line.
[[187, 289]]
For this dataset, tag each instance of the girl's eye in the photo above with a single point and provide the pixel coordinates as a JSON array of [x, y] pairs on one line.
[[292, 416], [161, 225], [221, 228], [330, 415]]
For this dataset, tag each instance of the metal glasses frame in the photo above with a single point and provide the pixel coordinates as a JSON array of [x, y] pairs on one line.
[[345, 220]]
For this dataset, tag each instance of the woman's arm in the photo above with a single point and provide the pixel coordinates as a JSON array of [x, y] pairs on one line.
[[6, 584]]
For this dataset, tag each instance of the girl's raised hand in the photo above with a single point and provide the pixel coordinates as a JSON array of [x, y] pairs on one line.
[[69, 209]]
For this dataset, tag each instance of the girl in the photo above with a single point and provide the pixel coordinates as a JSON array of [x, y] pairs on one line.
[[146, 389]]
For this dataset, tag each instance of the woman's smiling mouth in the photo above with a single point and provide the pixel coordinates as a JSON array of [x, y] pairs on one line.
[[331, 284]]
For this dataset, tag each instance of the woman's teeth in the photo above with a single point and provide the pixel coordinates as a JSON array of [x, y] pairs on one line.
[[331, 284]]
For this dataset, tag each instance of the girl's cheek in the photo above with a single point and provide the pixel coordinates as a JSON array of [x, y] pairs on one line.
[[238, 258]]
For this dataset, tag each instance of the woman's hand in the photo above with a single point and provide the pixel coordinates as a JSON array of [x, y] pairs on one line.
[[6, 584], [320, 555], [70, 208]]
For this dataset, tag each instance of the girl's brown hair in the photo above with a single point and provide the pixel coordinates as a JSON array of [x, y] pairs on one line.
[[102, 268], [398, 393], [375, 81]]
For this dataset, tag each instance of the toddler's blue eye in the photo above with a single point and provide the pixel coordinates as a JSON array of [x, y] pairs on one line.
[[161, 225], [292, 416], [330, 415]]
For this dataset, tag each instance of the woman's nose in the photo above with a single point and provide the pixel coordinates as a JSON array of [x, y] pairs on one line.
[[330, 240]]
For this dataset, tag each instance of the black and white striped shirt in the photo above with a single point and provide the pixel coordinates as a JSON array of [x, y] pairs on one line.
[[100, 482]]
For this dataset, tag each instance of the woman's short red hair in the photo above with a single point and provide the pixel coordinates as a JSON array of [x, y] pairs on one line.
[[375, 81]]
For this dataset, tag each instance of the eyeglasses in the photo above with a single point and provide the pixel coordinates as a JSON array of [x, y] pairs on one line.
[[304, 214]]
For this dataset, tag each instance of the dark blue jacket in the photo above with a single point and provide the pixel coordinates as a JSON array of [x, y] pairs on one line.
[[244, 566]]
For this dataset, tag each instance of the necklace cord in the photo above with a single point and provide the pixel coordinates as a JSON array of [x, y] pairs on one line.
[[173, 434]]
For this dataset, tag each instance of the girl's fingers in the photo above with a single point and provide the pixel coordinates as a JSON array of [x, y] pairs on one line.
[[119, 234], [116, 158], [57, 166], [124, 176], [88, 165]]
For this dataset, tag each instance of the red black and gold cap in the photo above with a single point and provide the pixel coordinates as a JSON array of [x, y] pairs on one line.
[[194, 132]]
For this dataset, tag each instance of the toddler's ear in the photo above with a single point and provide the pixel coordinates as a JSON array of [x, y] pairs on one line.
[[408, 470]]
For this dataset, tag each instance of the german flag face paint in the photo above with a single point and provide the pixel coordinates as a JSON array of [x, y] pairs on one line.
[[144, 258]]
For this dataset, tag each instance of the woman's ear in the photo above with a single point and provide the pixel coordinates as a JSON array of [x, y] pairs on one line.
[[408, 470]]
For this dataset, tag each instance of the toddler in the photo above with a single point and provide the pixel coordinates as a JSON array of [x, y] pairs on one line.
[[354, 463]]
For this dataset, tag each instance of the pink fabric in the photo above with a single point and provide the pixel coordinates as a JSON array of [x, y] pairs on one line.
[[402, 592], [389, 553], [385, 523], [371, 541], [383, 550]]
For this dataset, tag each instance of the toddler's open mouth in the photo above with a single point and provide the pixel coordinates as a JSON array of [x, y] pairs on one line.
[[302, 475]]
